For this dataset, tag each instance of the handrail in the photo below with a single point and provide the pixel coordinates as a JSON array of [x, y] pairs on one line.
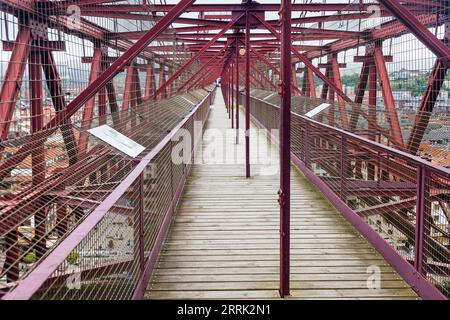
[[401, 154], [30, 284], [415, 185]]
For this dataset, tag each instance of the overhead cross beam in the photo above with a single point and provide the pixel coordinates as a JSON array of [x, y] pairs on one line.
[[307, 62], [422, 33], [198, 54], [116, 67]]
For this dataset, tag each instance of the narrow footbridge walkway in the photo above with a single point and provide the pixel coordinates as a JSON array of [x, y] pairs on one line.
[[224, 240]]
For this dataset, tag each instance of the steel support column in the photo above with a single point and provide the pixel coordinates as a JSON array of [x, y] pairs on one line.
[[337, 81], [37, 154], [435, 82], [203, 67], [88, 110], [389, 102], [418, 29], [12, 80], [285, 147], [162, 83], [295, 80], [232, 95], [306, 61], [197, 55], [149, 81], [247, 95], [54, 85], [237, 91]]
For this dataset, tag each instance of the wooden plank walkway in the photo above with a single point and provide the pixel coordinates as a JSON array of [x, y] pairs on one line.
[[223, 242]]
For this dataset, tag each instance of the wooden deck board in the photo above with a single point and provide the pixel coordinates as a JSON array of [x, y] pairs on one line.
[[224, 240]]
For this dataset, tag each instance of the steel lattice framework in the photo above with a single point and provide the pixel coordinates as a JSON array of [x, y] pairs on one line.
[[149, 71]]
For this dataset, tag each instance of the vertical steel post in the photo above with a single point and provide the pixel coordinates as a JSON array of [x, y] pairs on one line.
[[37, 154], [388, 97], [162, 82], [247, 95], [343, 167], [285, 146], [13, 77], [372, 112], [141, 223], [295, 80], [36, 102], [12, 253], [232, 96], [237, 91], [228, 90], [420, 227], [149, 80], [306, 145]]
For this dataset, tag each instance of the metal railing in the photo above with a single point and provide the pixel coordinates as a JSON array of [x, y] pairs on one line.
[[397, 201], [110, 253]]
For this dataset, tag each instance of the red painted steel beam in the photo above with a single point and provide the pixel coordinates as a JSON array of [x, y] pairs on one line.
[[248, 50], [137, 88], [112, 98], [236, 49], [38, 45], [308, 63], [88, 110], [205, 65], [87, 30], [38, 166], [295, 80], [387, 208], [232, 93], [309, 87], [263, 76], [389, 101], [337, 81], [334, 17], [402, 13], [284, 192], [67, 3], [116, 67], [12, 79], [53, 80], [266, 61], [313, 7], [150, 86], [162, 83], [198, 54], [366, 69], [253, 80], [435, 82], [128, 89], [218, 16], [387, 30], [201, 72], [37, 113]]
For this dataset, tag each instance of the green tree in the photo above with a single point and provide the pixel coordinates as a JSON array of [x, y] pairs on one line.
[[29, 258], [72, 257]]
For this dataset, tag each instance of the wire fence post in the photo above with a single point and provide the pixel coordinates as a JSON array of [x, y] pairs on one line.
[[141, 223], [420, 219]]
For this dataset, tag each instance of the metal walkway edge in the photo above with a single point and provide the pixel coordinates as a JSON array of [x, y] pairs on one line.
[[224, 240]]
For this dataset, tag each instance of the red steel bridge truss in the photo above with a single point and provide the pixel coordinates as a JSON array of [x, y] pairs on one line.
[[379, 152]]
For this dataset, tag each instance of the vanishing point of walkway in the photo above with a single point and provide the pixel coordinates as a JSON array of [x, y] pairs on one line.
[[224, 240]]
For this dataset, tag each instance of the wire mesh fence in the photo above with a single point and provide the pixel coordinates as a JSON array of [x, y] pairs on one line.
[[113, 253], [404, 198]]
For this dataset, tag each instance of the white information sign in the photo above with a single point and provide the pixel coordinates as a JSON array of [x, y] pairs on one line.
[[317, 110], [117, 140]]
